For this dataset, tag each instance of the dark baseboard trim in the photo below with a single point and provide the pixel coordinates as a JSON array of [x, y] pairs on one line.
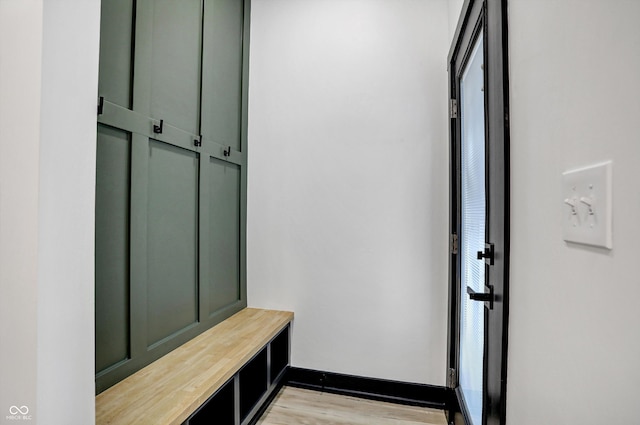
[[371, 388]]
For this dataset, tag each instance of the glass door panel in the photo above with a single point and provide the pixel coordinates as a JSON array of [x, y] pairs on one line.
[[472, 238]]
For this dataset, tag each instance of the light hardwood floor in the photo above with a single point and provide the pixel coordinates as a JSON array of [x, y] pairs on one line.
[[294, 406]]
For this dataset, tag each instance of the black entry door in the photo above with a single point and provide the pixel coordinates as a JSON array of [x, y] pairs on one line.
[[479, 206]]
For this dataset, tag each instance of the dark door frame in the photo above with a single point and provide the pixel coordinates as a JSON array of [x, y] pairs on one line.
[[491, 17]]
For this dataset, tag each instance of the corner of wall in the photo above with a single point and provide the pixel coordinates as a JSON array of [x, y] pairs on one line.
[[66, 391]]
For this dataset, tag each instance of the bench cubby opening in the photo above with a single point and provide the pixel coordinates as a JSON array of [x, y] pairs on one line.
[[253, 383], [219, 409], [279, 355]]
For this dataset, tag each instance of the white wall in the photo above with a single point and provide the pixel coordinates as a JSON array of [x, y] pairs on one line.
[[67, 189], [455, 7], [574, 342], [347, 203], [49, 85], [20, 64]]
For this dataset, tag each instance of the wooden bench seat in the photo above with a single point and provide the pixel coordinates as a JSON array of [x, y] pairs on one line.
[[171, 389]]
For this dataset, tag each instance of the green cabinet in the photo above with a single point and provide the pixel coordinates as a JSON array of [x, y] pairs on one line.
[[171, 176]]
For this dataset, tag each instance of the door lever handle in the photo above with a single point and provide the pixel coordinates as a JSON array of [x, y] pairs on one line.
[[487, 254], [486, 297]]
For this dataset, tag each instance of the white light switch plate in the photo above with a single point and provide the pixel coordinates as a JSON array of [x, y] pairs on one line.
[[587, 207]]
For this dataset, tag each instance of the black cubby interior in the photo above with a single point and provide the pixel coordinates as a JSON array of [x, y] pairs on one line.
[[219, 409], [279, 353], [258, 379], [253, 383]]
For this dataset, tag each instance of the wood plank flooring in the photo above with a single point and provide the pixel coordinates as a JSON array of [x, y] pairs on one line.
[[294, 406]]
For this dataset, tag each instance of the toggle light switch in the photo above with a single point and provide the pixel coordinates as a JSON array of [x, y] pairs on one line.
[[587, 209], [587, 201]]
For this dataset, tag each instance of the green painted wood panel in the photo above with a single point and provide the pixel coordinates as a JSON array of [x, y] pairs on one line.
[[224, 234], [176, 47], [170, 251], [112, 247], [116, 44], [222, 71], [138, 231], [172, 238]]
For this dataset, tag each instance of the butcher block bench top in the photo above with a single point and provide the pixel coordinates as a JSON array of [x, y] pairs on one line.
[[169, 390]]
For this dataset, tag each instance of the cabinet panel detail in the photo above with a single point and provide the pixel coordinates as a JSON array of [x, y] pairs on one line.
[[224, 234], [175, 63], [172, 226], [116, 49], [113, 173], [222, 72]]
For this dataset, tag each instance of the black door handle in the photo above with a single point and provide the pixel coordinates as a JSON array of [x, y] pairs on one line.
[[486, 297], [487, 254]]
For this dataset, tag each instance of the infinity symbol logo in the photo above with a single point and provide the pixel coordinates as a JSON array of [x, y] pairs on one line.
[[14, 410]]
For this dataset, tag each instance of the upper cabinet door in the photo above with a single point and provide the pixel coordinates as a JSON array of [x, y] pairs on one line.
[[222, 72]]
